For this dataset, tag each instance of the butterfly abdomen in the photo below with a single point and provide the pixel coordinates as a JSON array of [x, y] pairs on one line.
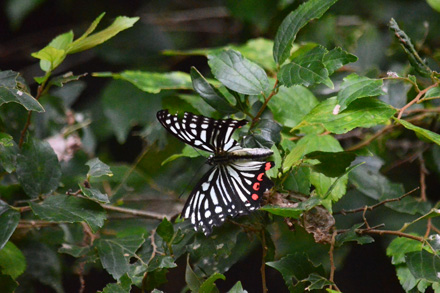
[[245, 154]]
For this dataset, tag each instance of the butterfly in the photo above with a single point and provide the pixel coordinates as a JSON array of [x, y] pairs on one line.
[[236, 181]]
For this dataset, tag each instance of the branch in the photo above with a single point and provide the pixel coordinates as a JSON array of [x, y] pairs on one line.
[[144, 214], [370, 208], [390, 232], [416, 99], [263, 261], [266, 101]]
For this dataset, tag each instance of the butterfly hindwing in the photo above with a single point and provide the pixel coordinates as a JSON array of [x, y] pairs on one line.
[[202, 132], [227, 190]]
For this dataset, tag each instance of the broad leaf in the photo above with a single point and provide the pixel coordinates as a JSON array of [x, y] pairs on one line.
[[294, 211], [317, 282], [306, 69], [191, 279], [8, 152], [12, 261], [238, 74], [94, 194], [210, 94], [208, 285], [356, 87], [8, 222], [298, 99], [424, 133], [98, 168], [12, 91], [237, 288], [331, 164], [152, 82], [70, 209], [337, 58], [38, 169], [400, 246], [290, 26], [424, 265], [264, 134], [366, 112], [88, 41], [115, 253], [165, 230]]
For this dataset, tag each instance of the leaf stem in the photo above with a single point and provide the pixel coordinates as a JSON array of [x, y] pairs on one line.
[[416, 99], [266, 101]]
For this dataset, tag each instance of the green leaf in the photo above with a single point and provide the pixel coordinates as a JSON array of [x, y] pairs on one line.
[[165, 230], [435, 4], [355, 87], [188, 152], [8, 152], [298, 99], [43, 265], [94, 194], [61, 80], [115, 253], [237, 288], [299, 180], [38, 169], [424, 265], [12, 261], [98, 168], [54, 53], [400, 246], [351, 235], [264, 134], [8, 283], [88, 41], [153, 82], [91, 28], [294, 211], [293, 22], [11, 90], [416, 61], [191, 279], [210, 94], [295, 267], [238, 74], [337, 58], [306, 69], [74, 250], [317, 282], [424, 133], [8, 222], [208, 285], [70, 209], [332, 164], [366, 112]]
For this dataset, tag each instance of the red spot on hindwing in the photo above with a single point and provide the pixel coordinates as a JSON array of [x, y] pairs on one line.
[[256, 186], [268, 166], [254, 196], [260, 177]]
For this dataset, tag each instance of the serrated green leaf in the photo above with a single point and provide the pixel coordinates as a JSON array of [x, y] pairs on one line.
[[8, 152], [11, 91], [70, 209], [416, 61], [299, 180], [12, 261], [356, 87], [38, 169], [61, 80], [366, 112], [400, 246], [94, 194], [425, 133], [432, 93], [152, 82], [336, 58], [165, 230], [98, 168], [115, 253], [88, 41], [424, 265], [295, 267], [208, 285], [306, 69], [317, 282], [298, 99], [237, 288], [331, 164], [238, 74], [293, 22], [264, 134], [8, 222], [209, 93], [8, 78], [74, 250], [191, 279], [293, 212], [351, 235]]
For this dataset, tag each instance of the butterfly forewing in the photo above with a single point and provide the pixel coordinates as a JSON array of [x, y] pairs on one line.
[[205, 133]]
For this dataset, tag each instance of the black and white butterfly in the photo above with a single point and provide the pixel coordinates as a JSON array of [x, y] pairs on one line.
[[236, 181]]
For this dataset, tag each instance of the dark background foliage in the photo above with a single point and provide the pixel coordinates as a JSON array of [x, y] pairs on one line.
[[360, 27]]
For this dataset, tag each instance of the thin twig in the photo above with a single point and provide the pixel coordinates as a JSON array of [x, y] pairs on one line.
[[371, 138], [390, 232], [263, 261], [145, 214], [266, 101], [332, 261], [416, 99], [423, 172], [370, 208]]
